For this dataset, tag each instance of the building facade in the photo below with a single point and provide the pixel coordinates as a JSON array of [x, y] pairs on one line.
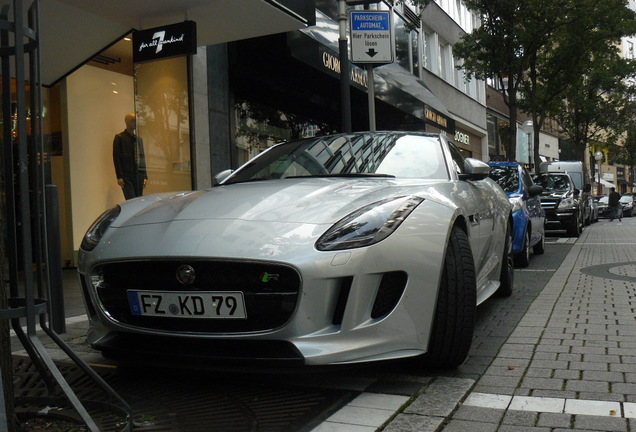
[[239, 92]]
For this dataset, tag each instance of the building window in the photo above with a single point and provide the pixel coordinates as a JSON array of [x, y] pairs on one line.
[[406, 46], [428, 51], [445, 62]]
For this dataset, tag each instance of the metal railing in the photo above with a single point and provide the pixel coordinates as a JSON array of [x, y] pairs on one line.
[[31, 260]]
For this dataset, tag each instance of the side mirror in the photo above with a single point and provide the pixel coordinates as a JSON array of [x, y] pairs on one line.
[[220, 177], [577, 192], [587, 187], [535, 190], [474, 169]]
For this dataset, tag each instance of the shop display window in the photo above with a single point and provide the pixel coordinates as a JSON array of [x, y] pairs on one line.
[[259, 126], [163, 122]]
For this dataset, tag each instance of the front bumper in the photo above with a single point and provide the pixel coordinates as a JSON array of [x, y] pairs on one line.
[[559, 219], [345, 307]]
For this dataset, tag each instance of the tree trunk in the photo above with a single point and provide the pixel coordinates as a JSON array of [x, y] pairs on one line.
[[511, 150]]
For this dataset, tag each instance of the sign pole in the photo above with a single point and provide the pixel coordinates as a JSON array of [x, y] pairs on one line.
[[343, 47], [371, 97], [371, 45]]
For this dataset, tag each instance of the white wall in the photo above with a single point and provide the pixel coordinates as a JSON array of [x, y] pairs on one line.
[[549, 146], [93, 114]]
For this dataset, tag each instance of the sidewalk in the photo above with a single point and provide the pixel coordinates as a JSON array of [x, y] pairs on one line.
[[570, 364]]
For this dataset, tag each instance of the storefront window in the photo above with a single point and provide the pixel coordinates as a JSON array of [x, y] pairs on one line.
[[163, 122], [259, 126]]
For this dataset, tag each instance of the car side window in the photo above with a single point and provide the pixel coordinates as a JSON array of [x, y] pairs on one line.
[[458, 159]]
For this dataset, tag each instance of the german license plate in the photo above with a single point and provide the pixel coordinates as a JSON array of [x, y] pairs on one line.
[[195, 304]]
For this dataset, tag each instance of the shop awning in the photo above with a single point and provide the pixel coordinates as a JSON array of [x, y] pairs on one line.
[[73, 31], [606, 183], [393, 84]]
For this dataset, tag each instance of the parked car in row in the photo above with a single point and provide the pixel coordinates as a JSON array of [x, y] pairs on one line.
[[626, 206], [561, 201], [581, 178], [528, 215], [595, 213], [337, 249]]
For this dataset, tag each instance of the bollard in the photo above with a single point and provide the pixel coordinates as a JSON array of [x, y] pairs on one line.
[[54, 266]]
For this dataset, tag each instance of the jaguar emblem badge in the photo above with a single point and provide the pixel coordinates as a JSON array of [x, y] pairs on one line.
[[186, 274]]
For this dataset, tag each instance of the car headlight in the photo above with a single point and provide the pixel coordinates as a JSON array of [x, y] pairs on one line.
[[98, 228], [566, 204], [368, 225], [517, 203]]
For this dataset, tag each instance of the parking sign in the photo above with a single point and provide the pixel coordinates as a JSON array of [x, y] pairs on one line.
[[371, 40]]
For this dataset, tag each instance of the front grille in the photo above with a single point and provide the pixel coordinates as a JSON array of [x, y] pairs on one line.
[[270, 291], [549, 203]]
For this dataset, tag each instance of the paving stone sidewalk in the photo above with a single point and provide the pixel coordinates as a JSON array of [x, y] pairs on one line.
[[570, 364]]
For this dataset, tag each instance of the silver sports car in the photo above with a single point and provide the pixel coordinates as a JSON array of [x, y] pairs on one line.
[[330, 250]]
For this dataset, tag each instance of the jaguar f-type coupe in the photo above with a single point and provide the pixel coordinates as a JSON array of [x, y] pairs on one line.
[[328, 250]]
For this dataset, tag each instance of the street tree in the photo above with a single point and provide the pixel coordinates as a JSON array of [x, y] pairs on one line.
[[537, 49], [503, 47], [598, 109], [579, 70]]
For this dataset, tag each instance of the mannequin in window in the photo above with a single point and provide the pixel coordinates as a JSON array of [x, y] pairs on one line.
[[130, 160]]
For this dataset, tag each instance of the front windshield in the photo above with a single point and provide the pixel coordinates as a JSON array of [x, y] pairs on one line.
[[603, 200], [364, 155], [553, 182], [625, 199], [506, 176]]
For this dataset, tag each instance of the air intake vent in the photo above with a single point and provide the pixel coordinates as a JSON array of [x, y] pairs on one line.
[[345, 288], [389, 293]]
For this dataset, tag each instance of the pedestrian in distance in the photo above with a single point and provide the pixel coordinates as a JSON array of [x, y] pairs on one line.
[[614, 205], [130, 159]]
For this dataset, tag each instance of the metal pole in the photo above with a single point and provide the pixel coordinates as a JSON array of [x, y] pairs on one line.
[[54, 261], [370, 90], [343, 46], [371, 96]]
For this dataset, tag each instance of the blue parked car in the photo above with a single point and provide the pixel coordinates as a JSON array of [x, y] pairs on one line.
[[528, 216]]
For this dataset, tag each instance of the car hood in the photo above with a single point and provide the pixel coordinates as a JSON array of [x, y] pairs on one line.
[[292, 200]]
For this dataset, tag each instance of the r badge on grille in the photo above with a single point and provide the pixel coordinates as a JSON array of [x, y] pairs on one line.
[[186, 274]]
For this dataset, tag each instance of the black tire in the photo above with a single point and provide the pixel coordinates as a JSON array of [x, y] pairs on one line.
[[539, 248], [452, 332], [522, 259], [574, 226], [507, 275]]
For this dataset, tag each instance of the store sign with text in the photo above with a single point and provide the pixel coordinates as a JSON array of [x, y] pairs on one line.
[[164, 42]]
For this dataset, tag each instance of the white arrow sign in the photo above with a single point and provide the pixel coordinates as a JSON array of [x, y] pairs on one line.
[[371, 40]]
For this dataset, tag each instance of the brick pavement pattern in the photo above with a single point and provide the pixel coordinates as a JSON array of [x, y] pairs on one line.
[[570, 364]]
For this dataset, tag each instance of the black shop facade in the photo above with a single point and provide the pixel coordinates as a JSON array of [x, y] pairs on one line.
[[287, 86]]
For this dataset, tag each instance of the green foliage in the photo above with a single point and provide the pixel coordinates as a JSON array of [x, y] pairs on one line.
[[553, 57]]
